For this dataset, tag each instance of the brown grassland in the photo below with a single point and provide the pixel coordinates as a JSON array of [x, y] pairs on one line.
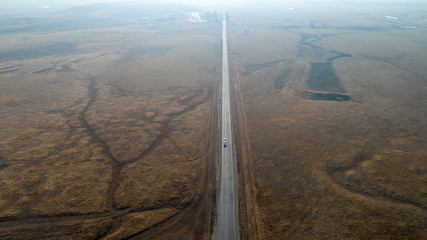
[[107, 132], [108, 123], [325, 169]]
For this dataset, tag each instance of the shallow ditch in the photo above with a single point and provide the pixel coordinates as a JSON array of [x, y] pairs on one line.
[[327, 96]]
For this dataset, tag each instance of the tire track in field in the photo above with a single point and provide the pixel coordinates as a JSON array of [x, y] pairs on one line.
[[199, 212], [40, 221], [356, 162], [116, 164]]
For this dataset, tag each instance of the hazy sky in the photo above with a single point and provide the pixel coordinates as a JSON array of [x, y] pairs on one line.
[[75, 2], [67, 3]]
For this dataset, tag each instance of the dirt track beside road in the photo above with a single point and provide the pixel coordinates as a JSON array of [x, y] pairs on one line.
[[247, 212]]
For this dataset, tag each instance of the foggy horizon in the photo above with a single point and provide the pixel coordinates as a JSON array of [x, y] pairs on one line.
[[38, 3]]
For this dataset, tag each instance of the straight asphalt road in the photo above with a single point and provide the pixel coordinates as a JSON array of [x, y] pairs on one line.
[[226, 218]]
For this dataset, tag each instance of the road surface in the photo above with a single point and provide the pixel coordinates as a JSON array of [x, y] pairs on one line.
[[226, 219]]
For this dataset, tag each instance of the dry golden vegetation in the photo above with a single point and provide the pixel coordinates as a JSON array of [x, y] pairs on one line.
[[105, 131], [324, 169]]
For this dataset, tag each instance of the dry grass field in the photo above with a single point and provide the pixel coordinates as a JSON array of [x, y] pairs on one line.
[[334, 168], [105, 127]]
